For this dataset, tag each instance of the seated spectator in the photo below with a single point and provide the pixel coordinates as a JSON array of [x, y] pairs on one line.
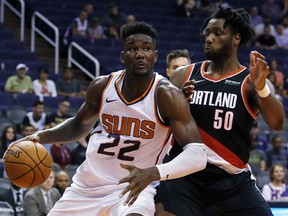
[[280, 37], [277, 155], [7, 137], [277, 189], [61, 181], [259, 29], [40, 200], [37, 117], [15, 197], [272, 9], [68, 86], [27, 130], [44, 86], [78, 27], [112, 32], [284, 23], [261, 141], [115, 19], [61, 155], [185, 8], [266, 40], [79, 153], [130, 19], [60, 115], [19, 83], [273, 79], [254, 16], [279, 74], [89, 8], [257, 160], [95, 30]]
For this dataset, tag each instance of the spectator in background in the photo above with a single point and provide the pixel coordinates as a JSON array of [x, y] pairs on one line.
[[279, 74], [259, 29], [39, 201], [185, 8], [61, 181], [78, 154], [277, 155], [175, 59], [280, 37], [266, 40], [27, 129], [60, 115], [257, 160], [37, 117], [130, 19], [277, 189], [114, 19], [89, 8], [7, 137], [271, 9], [95, 30], [68, 86], [61, 155], [254, 16], [19, 83], [15, 197], [284, 23], [260, 142], [273, 79], [78, 28], [44, 86]]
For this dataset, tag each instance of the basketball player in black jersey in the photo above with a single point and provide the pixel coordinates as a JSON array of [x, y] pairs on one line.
[[226, 100]]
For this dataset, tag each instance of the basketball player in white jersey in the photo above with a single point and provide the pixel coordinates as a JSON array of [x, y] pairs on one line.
[[138, 110]]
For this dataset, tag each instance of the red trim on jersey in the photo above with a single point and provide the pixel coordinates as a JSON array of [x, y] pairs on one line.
[[244, 96], [203, 73], [221, 150], [191, 67], [137, 99]]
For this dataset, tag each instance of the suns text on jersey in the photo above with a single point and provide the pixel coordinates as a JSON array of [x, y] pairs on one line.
[[219, 99], [128, 126]]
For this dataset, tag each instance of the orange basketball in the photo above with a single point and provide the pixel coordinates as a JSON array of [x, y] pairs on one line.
[[28, 164]]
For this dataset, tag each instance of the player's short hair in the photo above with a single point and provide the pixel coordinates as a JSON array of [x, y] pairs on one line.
[[176, 54], [138, 28], [237, 19]]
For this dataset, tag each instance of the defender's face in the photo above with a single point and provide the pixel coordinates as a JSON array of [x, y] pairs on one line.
[[139, 55], [217, 40]]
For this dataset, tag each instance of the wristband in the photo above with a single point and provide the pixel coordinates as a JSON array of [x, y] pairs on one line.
[[263, 93]]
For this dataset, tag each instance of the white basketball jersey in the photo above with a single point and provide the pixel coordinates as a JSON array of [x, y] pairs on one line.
[[129, 133]]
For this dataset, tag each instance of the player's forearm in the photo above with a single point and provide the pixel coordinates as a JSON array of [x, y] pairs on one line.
[[68, 131], [191, 160]]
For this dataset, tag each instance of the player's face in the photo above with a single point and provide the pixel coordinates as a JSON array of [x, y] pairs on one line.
[[217, 40], [139, 55], [175, 63]]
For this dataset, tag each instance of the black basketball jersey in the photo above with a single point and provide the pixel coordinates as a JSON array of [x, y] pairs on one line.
[[220, 109]]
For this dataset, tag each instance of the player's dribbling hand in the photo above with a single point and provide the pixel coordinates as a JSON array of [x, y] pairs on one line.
[[138, 180], [188, 89], [33, 138], [259, 69]]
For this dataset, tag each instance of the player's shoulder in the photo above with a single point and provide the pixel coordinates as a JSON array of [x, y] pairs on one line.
[[180, 74]]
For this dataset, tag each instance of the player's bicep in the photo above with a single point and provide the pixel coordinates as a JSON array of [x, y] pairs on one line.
[[174, 107]]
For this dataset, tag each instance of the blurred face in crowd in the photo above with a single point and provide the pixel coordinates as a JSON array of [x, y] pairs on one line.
[[64, 107], [28, 130], [278, 173], [10, 133], [62, 180], [21, 73], [48, 184], [175, 63], [38, 110]]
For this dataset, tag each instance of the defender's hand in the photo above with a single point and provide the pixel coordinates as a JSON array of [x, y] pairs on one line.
[[258, 69], [188, 89], [138, 180]]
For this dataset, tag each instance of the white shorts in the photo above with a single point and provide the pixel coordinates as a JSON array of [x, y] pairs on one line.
[[74, 203]]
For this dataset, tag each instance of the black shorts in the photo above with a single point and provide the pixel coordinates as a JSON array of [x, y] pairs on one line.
[[231, 195]]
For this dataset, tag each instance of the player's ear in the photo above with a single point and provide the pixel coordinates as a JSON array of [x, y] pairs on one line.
[[122, 57], [236, 39], [156, 55]]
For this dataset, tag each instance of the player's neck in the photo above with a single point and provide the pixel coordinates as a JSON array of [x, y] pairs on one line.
[[221, 68]]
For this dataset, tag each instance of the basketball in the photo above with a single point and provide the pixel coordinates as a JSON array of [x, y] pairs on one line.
[[28, 164]]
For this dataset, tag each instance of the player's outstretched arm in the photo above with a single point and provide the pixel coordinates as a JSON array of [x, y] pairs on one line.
[[269, 106], [174, 107], [78, 126]]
